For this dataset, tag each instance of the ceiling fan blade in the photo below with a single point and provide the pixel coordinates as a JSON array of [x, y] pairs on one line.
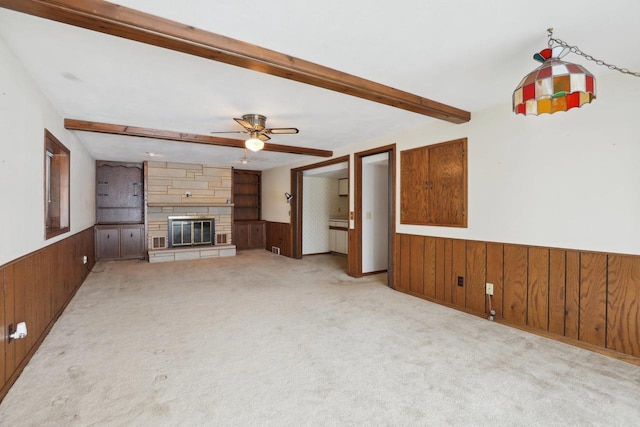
[[232, 131], [281, 131], [263, 137], [245, 124]]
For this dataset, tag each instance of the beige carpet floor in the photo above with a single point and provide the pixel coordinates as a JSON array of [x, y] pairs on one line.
[[261, 339]]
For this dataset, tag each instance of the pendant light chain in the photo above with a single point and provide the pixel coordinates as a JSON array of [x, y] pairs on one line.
[[577, 51]]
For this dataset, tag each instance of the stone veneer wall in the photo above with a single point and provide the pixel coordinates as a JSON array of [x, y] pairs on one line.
[[187, 189]]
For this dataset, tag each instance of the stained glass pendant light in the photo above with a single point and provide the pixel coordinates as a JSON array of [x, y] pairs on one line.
[[554, 86]]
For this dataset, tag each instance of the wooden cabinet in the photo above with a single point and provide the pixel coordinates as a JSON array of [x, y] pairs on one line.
[[433, 186], [131, 241], [249, 234], [119, 241], [339, 236], [119, 210], [249, 230], [246, 195], [343, 187], [119, 193], [107, 242]]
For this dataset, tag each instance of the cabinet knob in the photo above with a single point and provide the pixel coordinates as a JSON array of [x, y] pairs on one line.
[[132, 235], [107, 236]]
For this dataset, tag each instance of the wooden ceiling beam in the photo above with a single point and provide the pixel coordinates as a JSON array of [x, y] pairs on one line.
[[113, 129], [131, 24]]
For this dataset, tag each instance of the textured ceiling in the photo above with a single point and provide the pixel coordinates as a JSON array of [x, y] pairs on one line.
[[466, 54]]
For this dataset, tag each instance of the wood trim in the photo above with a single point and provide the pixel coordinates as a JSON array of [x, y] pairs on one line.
[[131, 24], [126, 130], [324, 163], [62, 160], [584, 298], [356, 269], [296, 202]]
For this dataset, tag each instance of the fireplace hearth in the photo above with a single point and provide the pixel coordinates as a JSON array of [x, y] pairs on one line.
[[185, 231]]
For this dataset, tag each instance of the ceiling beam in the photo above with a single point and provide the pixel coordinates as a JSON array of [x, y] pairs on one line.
[[131, 24], [113, 129]]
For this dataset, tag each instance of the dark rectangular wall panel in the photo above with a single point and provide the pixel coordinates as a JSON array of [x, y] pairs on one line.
[[416, 284], [623, 302], [476, 275], [538, 292], [405, 263], [459, 271], [495, 264], [515, 284], [3, 331], [10, 319], [278, 234], [430, 267], [440, 269], [448, 270], [572, 295], [593, 294], [557, 278], [22, 274]]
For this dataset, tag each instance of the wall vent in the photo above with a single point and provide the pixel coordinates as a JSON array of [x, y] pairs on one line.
[[159, 242], [221, 239], [275, 250]]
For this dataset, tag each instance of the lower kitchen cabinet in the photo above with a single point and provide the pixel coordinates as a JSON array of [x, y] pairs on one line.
[[249, 234], [339, 236], [122, 241]]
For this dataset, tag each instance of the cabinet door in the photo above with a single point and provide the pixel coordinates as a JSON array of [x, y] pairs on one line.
[[341, 241], [241, 235], [107, 243], [131, 243], [256, 237], [414, 186], [448, 189], [332, 240]]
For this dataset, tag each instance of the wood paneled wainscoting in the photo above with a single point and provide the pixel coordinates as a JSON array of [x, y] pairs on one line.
[[35, 289], [278, 234], [589, 299]]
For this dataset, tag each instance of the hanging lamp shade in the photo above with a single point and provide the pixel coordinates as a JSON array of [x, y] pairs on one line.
[[554, 86], [254, 143]]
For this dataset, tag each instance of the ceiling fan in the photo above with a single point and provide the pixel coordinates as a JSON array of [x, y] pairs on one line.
[[244, 160], [255, 126]]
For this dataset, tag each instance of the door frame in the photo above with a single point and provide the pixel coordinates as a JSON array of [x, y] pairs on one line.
[[296, 201], [355, 241]]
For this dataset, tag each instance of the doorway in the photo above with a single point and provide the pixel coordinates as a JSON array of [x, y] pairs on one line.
[[311, 208], [375, 209]]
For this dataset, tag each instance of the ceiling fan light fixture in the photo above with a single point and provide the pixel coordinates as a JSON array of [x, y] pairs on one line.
[[254, 143]]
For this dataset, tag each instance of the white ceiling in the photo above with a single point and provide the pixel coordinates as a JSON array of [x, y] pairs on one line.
[[464, 53]]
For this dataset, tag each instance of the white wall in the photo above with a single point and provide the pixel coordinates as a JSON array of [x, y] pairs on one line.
[[24, 114], [320, 201], [375, 213], [567, 180]]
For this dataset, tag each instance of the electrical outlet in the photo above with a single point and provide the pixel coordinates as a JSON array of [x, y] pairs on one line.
[[85, 259], [489, 289]]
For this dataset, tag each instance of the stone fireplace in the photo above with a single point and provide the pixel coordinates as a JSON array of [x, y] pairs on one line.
[[188, 196]]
